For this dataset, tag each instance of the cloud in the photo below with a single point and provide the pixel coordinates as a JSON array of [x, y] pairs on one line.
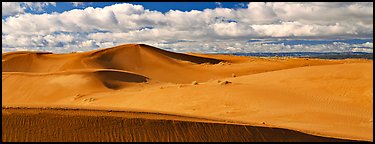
[[209, 30], [324, 13], [232, 29], [219, 4], [38, 6], [240, 5], [15, 8], [11, 8], [76, 4]]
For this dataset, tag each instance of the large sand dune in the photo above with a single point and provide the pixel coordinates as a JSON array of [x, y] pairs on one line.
[[325, 98]]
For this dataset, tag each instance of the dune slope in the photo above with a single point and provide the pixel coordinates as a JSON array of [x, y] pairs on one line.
[[93, 126]]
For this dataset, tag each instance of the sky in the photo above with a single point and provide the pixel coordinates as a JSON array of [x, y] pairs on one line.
[[204, 27]]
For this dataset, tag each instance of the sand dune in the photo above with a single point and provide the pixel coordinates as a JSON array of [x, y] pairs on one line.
[[142, 59], [325, 98], [98, 126], [156, 64]]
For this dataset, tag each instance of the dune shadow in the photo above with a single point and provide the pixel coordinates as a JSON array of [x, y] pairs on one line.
[[111, 78]]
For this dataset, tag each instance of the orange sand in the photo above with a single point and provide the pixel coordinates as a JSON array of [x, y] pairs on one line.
[[329, 98]]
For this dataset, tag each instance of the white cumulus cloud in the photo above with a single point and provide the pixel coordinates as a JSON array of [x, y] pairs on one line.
[[208, 30]]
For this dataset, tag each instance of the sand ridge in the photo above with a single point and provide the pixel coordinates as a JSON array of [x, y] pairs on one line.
[[331, 98]]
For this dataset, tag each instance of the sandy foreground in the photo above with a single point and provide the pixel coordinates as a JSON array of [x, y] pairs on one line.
[[183, 97]]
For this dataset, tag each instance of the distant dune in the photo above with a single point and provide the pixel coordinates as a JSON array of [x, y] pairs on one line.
[[310, 99]]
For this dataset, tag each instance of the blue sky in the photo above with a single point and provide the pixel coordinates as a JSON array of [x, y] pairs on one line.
[[158, 6], [206, 27]]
